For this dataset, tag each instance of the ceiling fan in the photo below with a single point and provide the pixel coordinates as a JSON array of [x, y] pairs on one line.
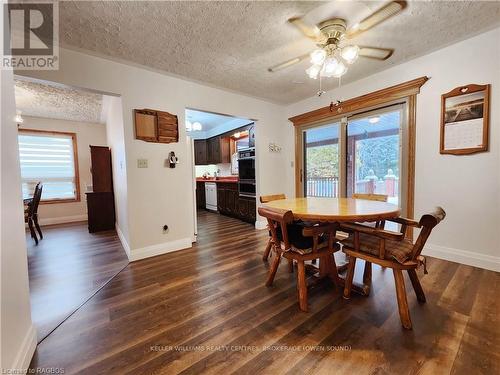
[[331, 37]]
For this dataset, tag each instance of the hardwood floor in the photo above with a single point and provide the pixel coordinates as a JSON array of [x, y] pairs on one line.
[[206, 310], [66, 268]]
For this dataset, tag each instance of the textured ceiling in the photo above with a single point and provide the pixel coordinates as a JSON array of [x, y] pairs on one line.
[[64, 103], [231, 44]]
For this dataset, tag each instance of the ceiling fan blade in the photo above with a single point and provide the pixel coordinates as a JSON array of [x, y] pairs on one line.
[[376, 53], [287, 63], [380, 15], [311, 32]]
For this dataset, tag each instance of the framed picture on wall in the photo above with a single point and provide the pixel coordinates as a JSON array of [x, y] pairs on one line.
[[465, 120]]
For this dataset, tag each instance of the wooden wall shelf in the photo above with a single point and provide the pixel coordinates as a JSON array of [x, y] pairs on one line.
[[156, 126]]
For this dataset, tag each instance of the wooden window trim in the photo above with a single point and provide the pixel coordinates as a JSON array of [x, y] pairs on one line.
[[75, 161], [404, 91]]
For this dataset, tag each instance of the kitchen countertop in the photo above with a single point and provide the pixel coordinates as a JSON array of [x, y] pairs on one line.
[[218, 179]]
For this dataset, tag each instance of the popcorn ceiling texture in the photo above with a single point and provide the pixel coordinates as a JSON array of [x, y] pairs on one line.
[[231, 44], [64, 103]]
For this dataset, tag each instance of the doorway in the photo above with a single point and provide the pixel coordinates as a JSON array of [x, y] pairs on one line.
[[65, 155], [359, 153]]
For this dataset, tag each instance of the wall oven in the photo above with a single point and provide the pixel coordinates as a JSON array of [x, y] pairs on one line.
[[246, 172]]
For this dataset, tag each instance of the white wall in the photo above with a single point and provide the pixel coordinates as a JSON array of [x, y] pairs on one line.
[[18, 339], [467, 187], [159, 195], [116, 141], [86, 134]]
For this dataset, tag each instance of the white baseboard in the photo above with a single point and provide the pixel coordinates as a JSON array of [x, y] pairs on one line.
[[25, 353], [159, 249], [124, 242], [62, 219], [469, 258], [260, 224]]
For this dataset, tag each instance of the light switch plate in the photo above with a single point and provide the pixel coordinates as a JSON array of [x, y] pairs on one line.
[[142, 163]]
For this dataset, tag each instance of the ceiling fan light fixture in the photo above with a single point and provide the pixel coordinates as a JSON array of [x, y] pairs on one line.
[[350, 53], [313, 71], [340, 70], [197, 126], [318, 56], [331, 64]]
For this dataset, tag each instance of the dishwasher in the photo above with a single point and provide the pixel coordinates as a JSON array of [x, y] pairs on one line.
[[211, 196]]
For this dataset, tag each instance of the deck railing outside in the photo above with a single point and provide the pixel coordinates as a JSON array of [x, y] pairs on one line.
[[322, 187]]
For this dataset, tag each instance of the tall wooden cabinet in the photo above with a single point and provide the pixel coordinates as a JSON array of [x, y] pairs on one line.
[[100, 201]]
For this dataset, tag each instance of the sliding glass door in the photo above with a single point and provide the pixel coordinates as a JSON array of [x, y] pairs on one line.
[[361, 153], [374, 153], [321, 161]]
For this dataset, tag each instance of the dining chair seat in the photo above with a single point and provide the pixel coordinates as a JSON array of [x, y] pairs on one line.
[[397, 250]]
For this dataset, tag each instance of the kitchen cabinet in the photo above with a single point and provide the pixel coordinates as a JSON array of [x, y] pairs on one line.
[[231, 204], [251, 136], [200, 195], [200, 152], [215, 150]]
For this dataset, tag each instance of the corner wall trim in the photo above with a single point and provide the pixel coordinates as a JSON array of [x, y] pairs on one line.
[[469, 258], [159, 249], [25, 353], [124, 242], [63, 219]]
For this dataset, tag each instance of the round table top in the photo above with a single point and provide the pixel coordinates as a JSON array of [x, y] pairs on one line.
[[336, 209]]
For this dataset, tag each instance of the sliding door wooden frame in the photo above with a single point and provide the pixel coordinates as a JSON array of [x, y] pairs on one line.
[[406, 91]]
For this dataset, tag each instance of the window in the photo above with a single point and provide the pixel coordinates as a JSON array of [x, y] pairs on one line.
[[355, 153], [49, 157]]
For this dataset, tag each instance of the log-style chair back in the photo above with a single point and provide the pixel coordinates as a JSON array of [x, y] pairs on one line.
[[270, 198], [277, 219], [298, 243], [371, 197], [427, 223], [392, 250]]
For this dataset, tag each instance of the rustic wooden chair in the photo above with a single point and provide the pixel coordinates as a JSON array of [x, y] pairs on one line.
[[392, 250], [31, 213], [300, 244], [267, 199], [367, 272]]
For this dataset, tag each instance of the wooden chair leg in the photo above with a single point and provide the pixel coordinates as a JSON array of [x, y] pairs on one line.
[[37, 226], [265, 256], [302, 285], [404, 312], [273, 269], [349, 277], [417, 287], [367, 278], [290, 265], [32, 230]]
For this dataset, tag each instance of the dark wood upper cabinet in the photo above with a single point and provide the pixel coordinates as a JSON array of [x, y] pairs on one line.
[[200, 152], [214, 150], [102, 179]]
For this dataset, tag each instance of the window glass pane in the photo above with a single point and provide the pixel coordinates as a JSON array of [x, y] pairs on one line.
[[49, 159], [321, 161], [373, 155]]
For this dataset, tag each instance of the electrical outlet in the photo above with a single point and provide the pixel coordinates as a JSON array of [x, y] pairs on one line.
[[142, 163]]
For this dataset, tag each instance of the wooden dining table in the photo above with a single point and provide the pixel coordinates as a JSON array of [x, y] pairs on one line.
[[338, 210]]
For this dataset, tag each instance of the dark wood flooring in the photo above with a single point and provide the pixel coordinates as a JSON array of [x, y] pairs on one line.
[[206, 310], [66, 268]]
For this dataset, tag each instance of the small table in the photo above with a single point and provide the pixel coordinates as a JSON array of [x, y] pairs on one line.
[[338, 210]]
